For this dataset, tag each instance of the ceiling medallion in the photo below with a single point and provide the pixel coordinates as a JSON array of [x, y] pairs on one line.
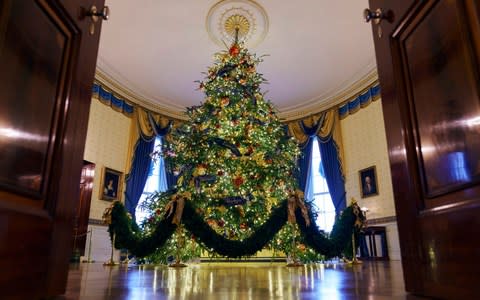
[[227, 15]]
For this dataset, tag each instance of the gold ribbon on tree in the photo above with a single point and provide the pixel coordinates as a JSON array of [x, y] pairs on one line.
[[170, 208], [295, 200]]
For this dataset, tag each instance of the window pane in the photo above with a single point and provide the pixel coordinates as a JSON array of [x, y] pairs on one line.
[[322, 199]]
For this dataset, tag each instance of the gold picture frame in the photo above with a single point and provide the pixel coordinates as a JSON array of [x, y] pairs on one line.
[[368, 182], [111, 184]]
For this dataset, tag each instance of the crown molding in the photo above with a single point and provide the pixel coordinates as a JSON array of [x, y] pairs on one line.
[[321, 104], [125, 93], [295, 113]]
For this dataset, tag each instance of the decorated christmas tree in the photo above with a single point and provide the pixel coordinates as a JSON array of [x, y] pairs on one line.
[[236, 188], [233, 157]]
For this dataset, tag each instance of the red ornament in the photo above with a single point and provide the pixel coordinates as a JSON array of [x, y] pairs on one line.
[[234, 50], [220, 223], [238, 181], [220, 173], [158, 211]]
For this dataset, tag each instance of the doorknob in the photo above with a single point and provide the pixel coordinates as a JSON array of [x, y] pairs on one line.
[[94, 14], [377, 16]]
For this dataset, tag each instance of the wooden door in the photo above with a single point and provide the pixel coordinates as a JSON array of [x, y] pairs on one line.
[[47, 64], [428, 58], [80, 227]]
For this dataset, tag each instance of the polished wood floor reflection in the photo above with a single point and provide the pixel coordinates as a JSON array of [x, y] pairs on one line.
[[371, 280]]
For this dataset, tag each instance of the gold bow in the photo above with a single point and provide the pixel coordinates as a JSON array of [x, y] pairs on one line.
[[107, 213], [296, 200], [360, 220], [170, 208]]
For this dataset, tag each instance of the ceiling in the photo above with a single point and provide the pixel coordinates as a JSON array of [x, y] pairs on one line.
[[319, 53]]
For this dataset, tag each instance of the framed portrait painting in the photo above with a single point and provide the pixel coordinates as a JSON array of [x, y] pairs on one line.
[[368, 182], [111, 184]]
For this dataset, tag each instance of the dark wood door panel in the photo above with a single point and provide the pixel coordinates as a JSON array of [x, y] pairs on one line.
[[447, 266], [47, 59], [34, 58], [443, 86], [428, 63], [24, 251]]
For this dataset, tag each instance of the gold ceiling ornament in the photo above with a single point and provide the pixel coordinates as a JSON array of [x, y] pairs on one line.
[[235, 22], [227, 15]]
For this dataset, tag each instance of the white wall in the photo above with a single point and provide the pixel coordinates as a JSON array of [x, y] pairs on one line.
[[106, 146], [365, 145], [100, 244]]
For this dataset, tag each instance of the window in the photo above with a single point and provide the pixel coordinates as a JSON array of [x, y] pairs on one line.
[[156, 181], [317, 189]]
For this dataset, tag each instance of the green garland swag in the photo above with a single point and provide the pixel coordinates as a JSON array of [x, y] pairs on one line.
[[350, 221], [234, 248], [128, 236], [139, 244]]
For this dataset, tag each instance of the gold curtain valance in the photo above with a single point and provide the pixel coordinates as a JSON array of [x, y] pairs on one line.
[[329, 128]]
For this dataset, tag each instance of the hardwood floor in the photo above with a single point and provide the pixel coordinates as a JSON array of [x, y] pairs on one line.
[[371, 280]]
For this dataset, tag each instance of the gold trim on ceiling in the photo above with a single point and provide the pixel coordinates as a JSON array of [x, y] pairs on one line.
[[235, 22], [288, 115], [117, 88], [251, 15], [318, 105]]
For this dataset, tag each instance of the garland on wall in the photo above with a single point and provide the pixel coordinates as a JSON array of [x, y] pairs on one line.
[[138, 243]]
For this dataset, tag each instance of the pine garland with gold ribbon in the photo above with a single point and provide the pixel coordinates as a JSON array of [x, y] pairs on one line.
[[351, 220], [141, 244]]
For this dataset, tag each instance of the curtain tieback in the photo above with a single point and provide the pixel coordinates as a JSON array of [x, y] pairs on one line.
[[360, 219], [107, 213], [296, 200]]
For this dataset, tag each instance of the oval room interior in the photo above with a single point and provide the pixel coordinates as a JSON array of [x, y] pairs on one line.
[[239, 149]]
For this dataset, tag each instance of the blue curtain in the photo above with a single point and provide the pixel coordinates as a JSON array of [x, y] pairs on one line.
[[303, 164], [333, 173], [136, 179], [322, 126], [162, 132], [171, 178], [305, 159]]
